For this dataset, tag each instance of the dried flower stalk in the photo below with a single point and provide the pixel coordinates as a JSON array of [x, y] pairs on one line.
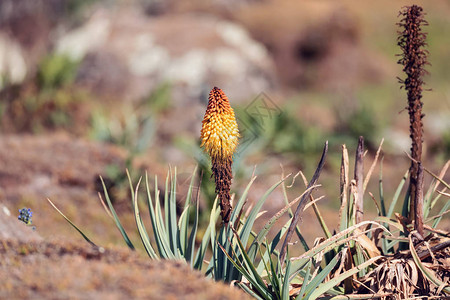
[[219, 138], [414, 57]]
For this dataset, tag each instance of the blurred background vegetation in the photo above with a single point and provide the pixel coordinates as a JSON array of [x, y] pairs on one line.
[[134, 76]]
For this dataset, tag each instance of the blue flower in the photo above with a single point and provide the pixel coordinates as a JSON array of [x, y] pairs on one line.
[[25, 215]]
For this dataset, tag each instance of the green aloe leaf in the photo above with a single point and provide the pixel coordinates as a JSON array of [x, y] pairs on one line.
[[181, 234], [72, 224], [172, 214], [151, 210], [116, 218], [158, 224], [141, 228]]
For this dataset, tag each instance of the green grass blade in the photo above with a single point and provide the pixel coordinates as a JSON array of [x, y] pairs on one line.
[[164, 238], [264, 259], [191, 186], [305, 281], [246, 289], [222, 262], [249, 264], [116, 218], [397, 195], [381, 190], [392, 243], [275, 279], [244, 233], [406, 206], [72, 224], [263, 233], [248, 261], [158, 212], [316, 281], [323, 288], [360, 296], [238, 207], [360, 260], [225, 269], [427, 202], [271, 248], [433, 203], [285, 290], [322, 223], [382, 203], [389, 222], [248, 225], [131, 187], [444, 209], [333, 242], [437, 177], [262, 289]]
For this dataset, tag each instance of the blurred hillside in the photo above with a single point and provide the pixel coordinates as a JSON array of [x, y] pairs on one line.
[[94, 86]]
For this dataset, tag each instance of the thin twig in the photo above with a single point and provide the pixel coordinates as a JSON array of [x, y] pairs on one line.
[[301, 204], [376, 203], [372, 167], [313, 201]]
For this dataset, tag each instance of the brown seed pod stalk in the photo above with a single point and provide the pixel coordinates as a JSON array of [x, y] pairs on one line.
[[411, 40]]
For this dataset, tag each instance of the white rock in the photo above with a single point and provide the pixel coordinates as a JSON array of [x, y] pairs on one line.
[[93, 34], [13, 68], [6, 210]]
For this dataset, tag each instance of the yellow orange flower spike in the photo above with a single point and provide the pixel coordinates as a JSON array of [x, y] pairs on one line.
[[219, 132], [219, 138]]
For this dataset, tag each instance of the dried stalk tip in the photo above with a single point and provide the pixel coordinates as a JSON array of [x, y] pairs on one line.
[[414, 57], [219, 138]]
